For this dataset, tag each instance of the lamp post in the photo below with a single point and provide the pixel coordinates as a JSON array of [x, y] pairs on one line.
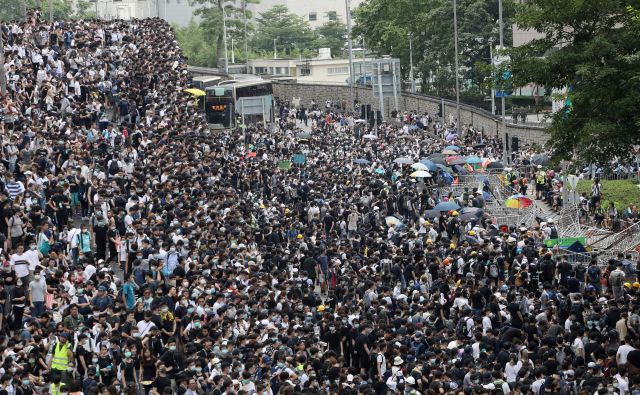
[[233, 51], [493, 89], [50, 10], [224, 29], [246, 44], [504, 128], [351, 71], [275, 49], [413, 81], [455, 34]]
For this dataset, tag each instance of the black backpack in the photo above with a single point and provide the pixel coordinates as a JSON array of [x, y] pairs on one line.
[[113, 167]]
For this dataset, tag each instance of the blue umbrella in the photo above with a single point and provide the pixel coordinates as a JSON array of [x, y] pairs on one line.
[[473, 160], [460, 170], [446, 206], [448, 178], [361, 162], [453, 148], [413, 127], [430, 165]]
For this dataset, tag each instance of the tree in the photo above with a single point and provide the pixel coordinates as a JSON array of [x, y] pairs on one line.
[[197, 43], [212, 12], [588, 49], [291, 32], [386, 24], [333, 34]]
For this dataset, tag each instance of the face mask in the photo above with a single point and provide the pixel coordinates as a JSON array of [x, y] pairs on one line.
[[32, 247], [165, 309], [185, 284], [37, 278], [25, 382], [172, 348], [31, 360], [70, 369], [94, 360], [127, 354], [193, 368], [198, 369], [197, 325], [190, 310], [19, 284]]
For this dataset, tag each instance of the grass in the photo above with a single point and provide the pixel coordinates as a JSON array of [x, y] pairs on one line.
[[620, 192]]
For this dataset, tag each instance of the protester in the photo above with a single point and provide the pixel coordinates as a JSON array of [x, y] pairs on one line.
[[143, 252]]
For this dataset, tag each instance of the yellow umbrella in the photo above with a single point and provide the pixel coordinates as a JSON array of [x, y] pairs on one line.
[[195, 92]]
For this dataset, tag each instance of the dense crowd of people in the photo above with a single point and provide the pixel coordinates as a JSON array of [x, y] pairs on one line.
[[143, 253]]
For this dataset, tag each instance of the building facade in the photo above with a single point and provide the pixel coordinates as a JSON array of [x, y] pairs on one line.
[[182, 11]]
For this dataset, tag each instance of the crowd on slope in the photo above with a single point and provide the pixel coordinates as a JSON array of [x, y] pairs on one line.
[[143, 253]]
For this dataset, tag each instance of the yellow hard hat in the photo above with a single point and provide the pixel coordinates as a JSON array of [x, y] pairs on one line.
[[636, 285], [262, 206], [321, 308], [429, 241], [627, 285], [455, 213], [452, 246], [472, 233], [287, 211], [299, 236]]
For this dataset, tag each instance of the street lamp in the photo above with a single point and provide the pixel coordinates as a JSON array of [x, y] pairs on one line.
[[455, 34], [493, 89], [275, 49], [246, 44], [233, 52], [224, 29], [351, 71], [413, 81], [504, 128]]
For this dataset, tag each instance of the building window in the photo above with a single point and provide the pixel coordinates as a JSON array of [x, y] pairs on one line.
[[305, 71], [338, 70], [260, 70], [313, 16]]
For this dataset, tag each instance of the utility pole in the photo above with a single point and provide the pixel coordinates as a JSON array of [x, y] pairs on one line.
[[275, 49], [226, 54], [413, 81], [455, 34], [3, 72], [233, 50], [503, 106], [351, 71], [50, 10], [493, 89], [246, 43]]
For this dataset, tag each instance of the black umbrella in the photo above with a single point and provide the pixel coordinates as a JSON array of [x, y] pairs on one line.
[[495, 165], [540, 159]]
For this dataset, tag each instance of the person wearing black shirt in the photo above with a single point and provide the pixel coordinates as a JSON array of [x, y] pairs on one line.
[[362, 350]]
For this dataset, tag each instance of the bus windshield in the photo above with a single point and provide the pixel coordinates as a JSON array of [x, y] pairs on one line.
[[219, 112]]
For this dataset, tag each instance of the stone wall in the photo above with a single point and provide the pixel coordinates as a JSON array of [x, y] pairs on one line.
[[481, 119]]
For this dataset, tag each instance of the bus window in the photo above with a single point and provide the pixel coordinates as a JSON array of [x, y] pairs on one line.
[[220, 113]]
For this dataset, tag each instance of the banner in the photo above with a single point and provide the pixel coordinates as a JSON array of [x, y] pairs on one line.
[[565, 242]]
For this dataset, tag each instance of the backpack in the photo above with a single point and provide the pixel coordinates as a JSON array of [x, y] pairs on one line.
[[554, 233], [461, 326], [594, 274], [113, 167], [493, 270]]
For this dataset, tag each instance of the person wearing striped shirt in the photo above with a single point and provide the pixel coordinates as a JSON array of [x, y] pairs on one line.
[[14, 188]]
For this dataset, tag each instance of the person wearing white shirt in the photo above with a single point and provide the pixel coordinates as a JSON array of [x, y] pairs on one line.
[[623, 384], [621, 354], [20, 263], [145, 325], [486, 322], [511, 370]]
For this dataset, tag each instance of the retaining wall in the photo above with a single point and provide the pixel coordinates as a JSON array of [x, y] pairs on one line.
[[481, 119]]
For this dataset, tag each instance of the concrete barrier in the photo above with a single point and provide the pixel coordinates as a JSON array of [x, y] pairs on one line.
[[483, 120]]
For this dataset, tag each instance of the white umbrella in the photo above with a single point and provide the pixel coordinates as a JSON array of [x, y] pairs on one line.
[[403, 161], [370, 137], [359, 121], [420, 174], [419, 166], [392, 221]]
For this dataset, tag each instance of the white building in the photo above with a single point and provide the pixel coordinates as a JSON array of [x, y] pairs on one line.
[[322, 69], [182, 11]]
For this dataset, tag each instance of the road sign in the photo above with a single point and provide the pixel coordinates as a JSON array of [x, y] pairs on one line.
[[572, 180]]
